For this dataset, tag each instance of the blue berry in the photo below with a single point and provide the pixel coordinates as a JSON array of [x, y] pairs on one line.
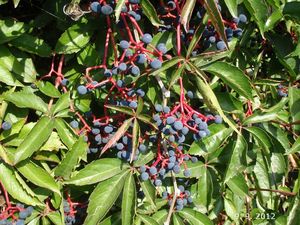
[[23, 214], [20, 222], [82, 90], [156, 64], [74, 124], [156, 117], [229, 32], [202, 125], [166, 109], [95, 7], [202, 133], [181, 138], [142, 148], [179, 201], [140, 92], [93, 150], [164, 195], [124, 44], [107, 10], [176, 169], [187, 193], [135, 70], [171, 153], [178, 125], [162, 48], [152, 170], [120, 83], [144, 176], [119, 154], [64, 82], [124, 9], [158, 107], [120, 146], [221, 45], [147, 38], [181, 188], [134, 1], [29, 209], [236, 20], [162, 171], [122, 66], [158, 182], [171, 138], [143, 169], [190, 200], [141, 58], [171, 165], [107, 73], [95, 131], [171, 5], [218, 119], [194, 159], [171, 120], [133, 105], [108, 129], [190, 94], [185, 130], [179, 207], [6, 125], [212, 39], [187, 173], [242, 18], [184, 201]]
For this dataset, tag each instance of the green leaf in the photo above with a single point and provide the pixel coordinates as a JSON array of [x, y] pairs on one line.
[[149, 191], [232, 76], [294, 212], [72, 158], [194, 217], [177, 220], [97, 171], [118, 9], [16, 3], [160, 216], [73, 39], [291, 10], [175, 76], [129, 200], [20, 65], [150, 12], [261, 137], [103, 197], [35, 139], [144, 159], [120, 132], [259, 11], [27, 100], [209, 96], [114, 219], [237, 159], [38, 176], [232, 7], [55, 218], [14, 188], [62, 103], [273, 20], [65, 132], [48, 89], [216, 18], [219, 133], [147, 220], [186, 13], [294, 105], [295, 147], [11, 29], [88, 56], [205, 187], [123, 109], [135, 138], [32, 44], [195, 169], [238, 185], [278, 167], [260, 117], [167, 64], [197, 36], [8, 78]]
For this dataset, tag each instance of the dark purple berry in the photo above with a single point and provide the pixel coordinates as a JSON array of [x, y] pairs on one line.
[[147, 38], [107, 10], [6, 125]]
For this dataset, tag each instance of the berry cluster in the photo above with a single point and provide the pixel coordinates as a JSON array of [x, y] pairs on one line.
[[282, 91], [182, 199], [15, 215], [69, 213]]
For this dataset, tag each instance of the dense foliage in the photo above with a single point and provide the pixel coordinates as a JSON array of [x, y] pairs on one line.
[[149, 112]]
